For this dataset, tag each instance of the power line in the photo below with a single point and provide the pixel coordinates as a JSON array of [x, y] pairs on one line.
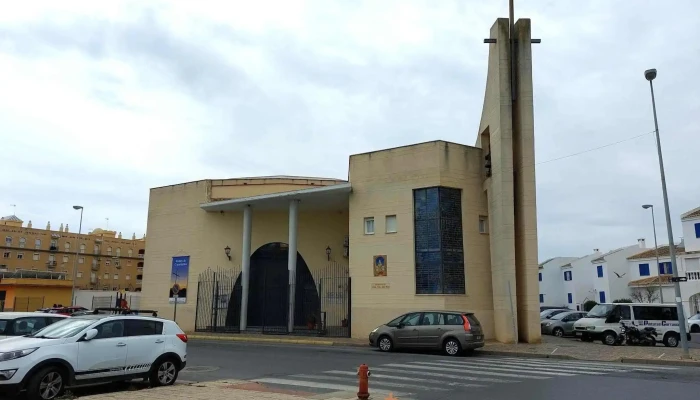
[[595, 148]]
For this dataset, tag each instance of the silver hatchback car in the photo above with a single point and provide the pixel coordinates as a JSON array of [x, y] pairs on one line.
[[454, 332]]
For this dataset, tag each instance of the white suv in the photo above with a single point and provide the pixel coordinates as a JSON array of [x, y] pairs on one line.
[[92, 349]]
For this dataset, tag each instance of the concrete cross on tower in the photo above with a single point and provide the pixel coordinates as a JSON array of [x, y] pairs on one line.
[[512, 48]]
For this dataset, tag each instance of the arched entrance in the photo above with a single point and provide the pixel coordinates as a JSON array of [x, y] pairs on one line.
[[268, 294]]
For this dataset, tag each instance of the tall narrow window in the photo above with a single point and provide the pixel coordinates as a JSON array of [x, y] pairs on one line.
[[600, 271], [483, 224], [37, 244], [439, 244], [390, 224], [8, 241], [22, 242], [369, 226]]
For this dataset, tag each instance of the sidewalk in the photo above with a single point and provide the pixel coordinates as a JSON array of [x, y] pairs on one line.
[[551, 347], [218, 390]]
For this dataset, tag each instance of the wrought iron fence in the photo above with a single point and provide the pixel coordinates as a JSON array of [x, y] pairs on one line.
[[218, 301], [321, 303]]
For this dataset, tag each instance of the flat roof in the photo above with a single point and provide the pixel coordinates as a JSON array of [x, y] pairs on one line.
[[330, 197]]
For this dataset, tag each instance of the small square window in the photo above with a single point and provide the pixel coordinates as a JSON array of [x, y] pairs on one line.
[[483, 224], [20, 256], [390, 224], [106, 275], [65, 259], [36, 257], [107, 263], [6, 254], [369, 226], [81, 260], [79, 274]]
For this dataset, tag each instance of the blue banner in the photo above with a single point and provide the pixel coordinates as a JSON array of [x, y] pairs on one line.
[[179, 272]]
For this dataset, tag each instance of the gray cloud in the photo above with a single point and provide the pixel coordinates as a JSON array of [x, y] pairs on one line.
[[276, 101]]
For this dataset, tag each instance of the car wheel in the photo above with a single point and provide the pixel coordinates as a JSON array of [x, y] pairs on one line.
[[558, 332], [671, 340], [609, 338], [47, 384], [164, 374], [452, 347], [385, 344]]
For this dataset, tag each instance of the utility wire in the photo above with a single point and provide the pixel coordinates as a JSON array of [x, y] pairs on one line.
[[595, 148]]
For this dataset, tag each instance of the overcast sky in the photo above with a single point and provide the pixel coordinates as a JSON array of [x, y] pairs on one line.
[[100, 101]]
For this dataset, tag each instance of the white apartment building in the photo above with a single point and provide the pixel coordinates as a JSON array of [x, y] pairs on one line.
[[611, 273], [551, 284], [645, 273]]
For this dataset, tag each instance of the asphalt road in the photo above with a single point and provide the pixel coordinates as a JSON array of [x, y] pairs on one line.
[[433, 376]]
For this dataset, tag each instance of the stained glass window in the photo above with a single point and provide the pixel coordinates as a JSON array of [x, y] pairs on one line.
[[439, 241]]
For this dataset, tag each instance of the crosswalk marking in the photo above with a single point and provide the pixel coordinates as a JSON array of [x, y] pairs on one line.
[[528, 367], [602, 364], [504, 368], [426, 375], [406, 378], [443, 375]]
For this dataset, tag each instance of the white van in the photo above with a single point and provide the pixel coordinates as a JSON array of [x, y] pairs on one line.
[[603, 322]]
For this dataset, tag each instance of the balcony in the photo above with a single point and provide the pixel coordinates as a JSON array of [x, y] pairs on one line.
[[53, 248], [693, 276], [51, 264], [55, 236], [95, 267], [140, 256], [93, 280]]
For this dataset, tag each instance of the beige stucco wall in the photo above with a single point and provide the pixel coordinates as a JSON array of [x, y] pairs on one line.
[[180, 227], [383, 184]]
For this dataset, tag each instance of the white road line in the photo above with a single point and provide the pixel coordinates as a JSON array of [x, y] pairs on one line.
[[374, 384], [462, 371], [543, 364], [317, 385], [373, 377], [525, 368], [482, 367], [603, 364], [440, 375]]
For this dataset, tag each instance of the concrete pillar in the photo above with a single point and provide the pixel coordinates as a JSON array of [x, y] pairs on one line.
[[292, 260], [245, 264]]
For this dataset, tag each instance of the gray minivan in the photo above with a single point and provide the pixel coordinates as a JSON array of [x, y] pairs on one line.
[[454, 332]]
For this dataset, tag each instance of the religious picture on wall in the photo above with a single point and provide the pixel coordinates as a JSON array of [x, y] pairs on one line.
[[380, 266]]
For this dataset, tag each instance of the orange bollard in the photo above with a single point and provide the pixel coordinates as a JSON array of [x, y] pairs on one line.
[[363, 374]]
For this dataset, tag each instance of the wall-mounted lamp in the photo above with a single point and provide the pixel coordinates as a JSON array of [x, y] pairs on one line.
[[328, 253], [227, 250]]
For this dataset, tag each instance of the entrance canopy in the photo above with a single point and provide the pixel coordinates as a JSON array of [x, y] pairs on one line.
[[333, 197]]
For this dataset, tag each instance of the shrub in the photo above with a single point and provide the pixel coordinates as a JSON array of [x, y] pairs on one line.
[[587, 306]]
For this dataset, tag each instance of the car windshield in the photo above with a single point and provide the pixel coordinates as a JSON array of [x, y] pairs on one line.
[[62, 329], [546, 312], [694, 317], [560, 315], [395, 321], [600, 311]]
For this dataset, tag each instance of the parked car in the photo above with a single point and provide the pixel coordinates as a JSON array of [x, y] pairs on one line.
[[561, 324], [454, 332], [92, 349], [23, 323], [694, 323], [547, 314]]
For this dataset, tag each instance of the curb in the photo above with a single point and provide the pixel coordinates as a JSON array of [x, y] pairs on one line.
[[526, 355], [263, 340]]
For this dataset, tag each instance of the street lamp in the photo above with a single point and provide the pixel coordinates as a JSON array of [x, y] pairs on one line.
[[650, 75], [77, 252], [656, 247]]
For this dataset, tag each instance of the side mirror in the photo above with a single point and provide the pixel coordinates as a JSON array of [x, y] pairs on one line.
[[89, 335]]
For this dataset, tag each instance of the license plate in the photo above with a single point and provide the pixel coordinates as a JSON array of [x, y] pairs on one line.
[[578, 333], [478, 337]]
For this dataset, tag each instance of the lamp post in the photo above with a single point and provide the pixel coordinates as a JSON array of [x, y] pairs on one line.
[[650, 75], [656, 247], [77, 252]]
